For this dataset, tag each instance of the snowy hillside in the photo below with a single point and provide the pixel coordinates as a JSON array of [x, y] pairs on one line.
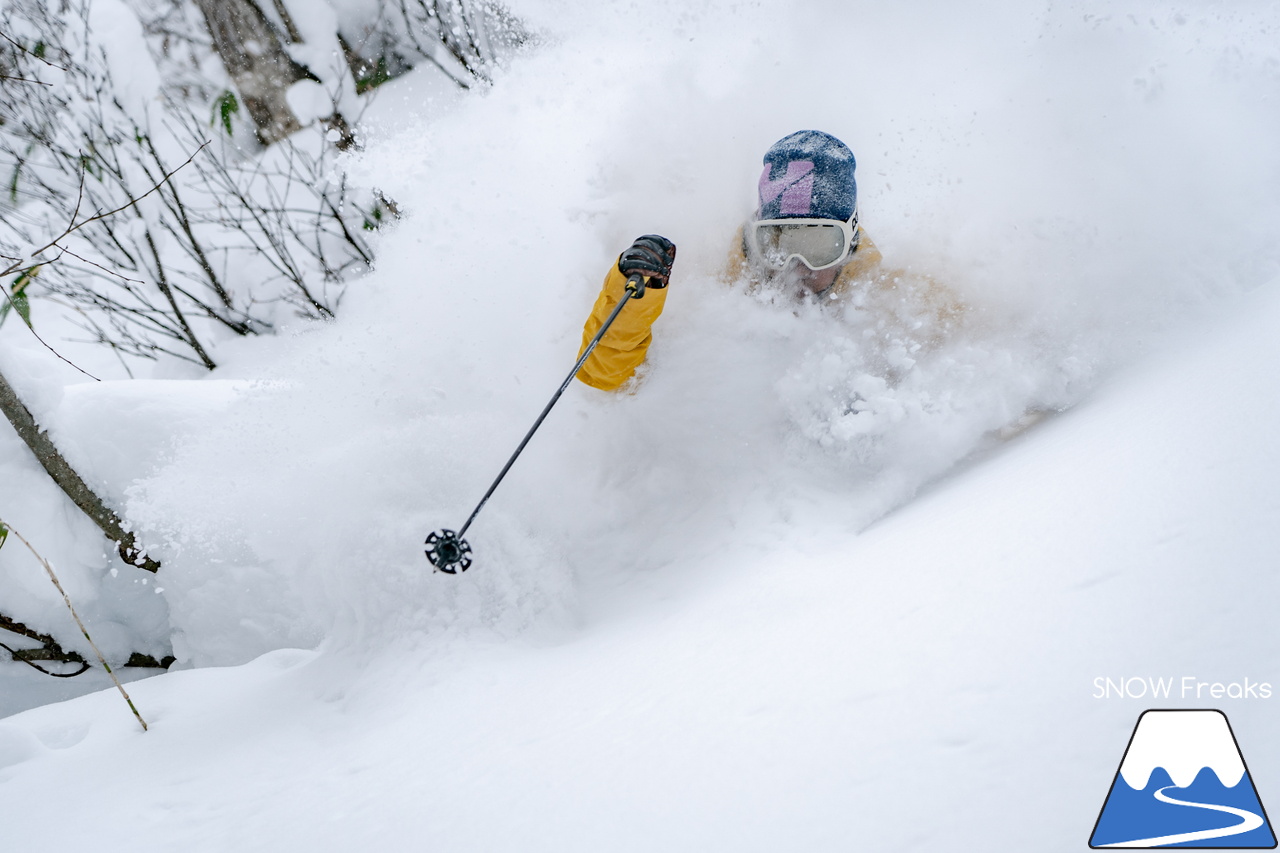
[[719, 613], [805, 687]]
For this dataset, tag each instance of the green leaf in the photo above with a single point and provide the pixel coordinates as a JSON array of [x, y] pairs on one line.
[[13, 184], [19, 298], [23, 304], [372, 78], [89, 164], [376, 222], [224, 108], [4, 534]]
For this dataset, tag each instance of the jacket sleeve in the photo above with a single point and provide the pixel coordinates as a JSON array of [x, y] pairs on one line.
[[624, 346]]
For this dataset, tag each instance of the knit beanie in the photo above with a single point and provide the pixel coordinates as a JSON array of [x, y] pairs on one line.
[[808, 174]]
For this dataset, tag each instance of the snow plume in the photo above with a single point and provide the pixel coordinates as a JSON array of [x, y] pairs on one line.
[[1081, 175]]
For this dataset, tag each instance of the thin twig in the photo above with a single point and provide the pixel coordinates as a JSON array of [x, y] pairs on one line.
[[30, 53], [49, 647], [13, 305], [102, 660], [24, 80], [130, 203], [23, 656], [72, 228], [109, 272]]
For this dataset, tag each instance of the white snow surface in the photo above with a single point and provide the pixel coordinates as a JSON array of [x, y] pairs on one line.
[[720, 612]]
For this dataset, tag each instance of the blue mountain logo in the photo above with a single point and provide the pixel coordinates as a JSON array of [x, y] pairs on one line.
[[1183, 783]]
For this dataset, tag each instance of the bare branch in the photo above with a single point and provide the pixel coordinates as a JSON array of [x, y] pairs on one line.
[[30, 53], [31, 328], [24, 80], [132, 202], [76, 616]]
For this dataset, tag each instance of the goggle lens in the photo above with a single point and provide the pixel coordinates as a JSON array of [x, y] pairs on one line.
[[818, 245]]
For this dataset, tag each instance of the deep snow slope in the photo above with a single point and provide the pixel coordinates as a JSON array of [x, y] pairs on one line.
[[1079, 176], [729, 611], [926, 684], [1074, 208]]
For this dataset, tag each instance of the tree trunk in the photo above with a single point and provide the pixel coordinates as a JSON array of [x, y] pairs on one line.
[[68, 480], [253, 53]]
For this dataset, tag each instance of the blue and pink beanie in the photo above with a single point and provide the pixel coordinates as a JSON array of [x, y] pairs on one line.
[[808, 174]]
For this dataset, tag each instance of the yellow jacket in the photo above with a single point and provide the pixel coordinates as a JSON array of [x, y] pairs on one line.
[[624, 346]]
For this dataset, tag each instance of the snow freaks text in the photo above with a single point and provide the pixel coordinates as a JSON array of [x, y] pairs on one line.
[[1186, 687]]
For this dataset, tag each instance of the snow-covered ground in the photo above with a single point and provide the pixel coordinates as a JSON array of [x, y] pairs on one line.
[[716, 614]]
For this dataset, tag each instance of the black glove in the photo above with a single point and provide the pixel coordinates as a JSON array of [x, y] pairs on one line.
[[650, 256]]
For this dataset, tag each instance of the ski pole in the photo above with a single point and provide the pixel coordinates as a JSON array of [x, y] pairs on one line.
[[447, 550]]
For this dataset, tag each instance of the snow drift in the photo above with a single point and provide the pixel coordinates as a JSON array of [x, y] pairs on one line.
[[1082, 178], [693, 622]]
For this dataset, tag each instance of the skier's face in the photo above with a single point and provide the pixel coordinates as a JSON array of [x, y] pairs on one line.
[[803, 281]]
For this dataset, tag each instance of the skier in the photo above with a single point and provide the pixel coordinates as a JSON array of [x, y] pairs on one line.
[[804, 239]]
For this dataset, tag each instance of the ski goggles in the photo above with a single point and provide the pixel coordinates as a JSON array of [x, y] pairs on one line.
[[818, 243]]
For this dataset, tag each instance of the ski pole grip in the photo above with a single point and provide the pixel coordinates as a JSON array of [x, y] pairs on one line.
[[635, 284]]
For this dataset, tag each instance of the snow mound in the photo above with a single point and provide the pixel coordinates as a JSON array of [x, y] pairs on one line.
[[298, 513]]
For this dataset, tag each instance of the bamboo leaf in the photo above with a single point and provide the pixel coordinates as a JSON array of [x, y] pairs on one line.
[[23, 304], [224, 108], [19, 298]]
